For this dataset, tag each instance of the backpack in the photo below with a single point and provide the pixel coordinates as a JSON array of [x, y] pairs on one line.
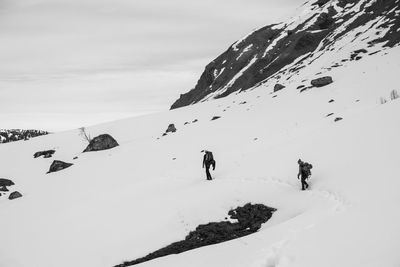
[[306, 168], [209, 156]]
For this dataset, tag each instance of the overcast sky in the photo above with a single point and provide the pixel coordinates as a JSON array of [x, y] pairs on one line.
[[70, 63]]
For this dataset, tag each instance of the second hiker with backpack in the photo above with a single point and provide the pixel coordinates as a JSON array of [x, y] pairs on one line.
[[208, 161], [304, 173]]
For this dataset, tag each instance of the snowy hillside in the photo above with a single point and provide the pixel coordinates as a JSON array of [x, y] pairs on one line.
[[120, 204], [278, 52]]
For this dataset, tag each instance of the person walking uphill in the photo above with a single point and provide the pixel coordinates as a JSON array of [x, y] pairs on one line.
[[208, 161], [304, 173]]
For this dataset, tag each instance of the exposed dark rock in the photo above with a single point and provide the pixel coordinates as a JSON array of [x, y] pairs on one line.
[[6, 182], [330, 101], [321, 2], [319, 82], [186, 123], [278, 87], [75, 158], [194, 121], [242, 103], [338, 119], [11, 135], [355, 55], [215, 118], [14, 195], [274, 96], [58, 165], [300, 86], [45, 153], [325, 21], [164, 134], [330, 114], [171, 128], [4, 188], [101, 142], [249, 218]]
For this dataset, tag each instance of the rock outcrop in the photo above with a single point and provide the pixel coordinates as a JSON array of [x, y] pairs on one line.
[[59, 165], [44, 153], [319, 82], [101, 142], [4, 188], [14, 195], [6, 182]]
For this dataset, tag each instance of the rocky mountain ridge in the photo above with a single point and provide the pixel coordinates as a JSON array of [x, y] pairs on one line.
[[11, 135], [279, 51]]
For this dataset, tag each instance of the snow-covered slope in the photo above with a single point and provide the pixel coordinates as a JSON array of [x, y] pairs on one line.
[[150, 191], [123, 203], [277, 52]]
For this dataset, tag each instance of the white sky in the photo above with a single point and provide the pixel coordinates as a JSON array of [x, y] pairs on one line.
[[69, 63]]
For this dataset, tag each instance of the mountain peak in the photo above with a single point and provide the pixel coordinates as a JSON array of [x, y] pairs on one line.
[[281, 50]]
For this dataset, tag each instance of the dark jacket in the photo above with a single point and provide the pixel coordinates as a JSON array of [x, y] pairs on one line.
[[208, 162]]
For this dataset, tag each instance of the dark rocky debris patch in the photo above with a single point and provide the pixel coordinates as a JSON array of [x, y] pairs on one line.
[[59, 165], [101, 142], [331, 101], [44, 153], [215, 118], [330, 114], [249, 218]]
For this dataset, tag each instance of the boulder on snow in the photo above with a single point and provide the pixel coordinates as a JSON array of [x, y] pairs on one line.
[[338, 119], [215, 118], [101, 142], [319, 82], [59, 165], [14, 195], [45, 153], [6, 182], [278, 87], [4, 188], [171, 128]]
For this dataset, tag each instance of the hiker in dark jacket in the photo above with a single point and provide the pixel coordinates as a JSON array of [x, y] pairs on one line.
[[304, 173], [208, 160]]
